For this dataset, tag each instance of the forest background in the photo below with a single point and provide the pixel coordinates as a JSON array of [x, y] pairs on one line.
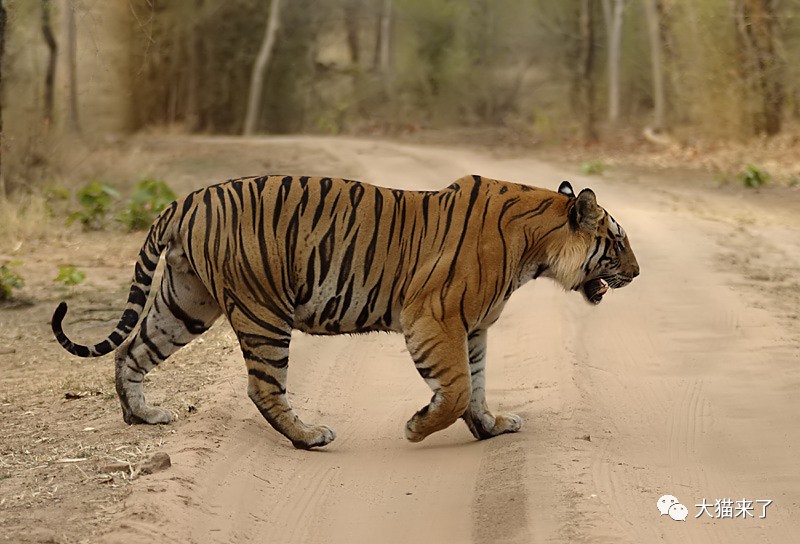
[[710, 83]]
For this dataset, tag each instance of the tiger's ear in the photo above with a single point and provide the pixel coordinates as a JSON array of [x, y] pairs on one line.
[[566, 189], [585, 214]]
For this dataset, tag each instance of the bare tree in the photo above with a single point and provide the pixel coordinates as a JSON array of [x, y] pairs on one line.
[[383, 41], [760, 66], [260, 67], [50, 74], [2, 51], [351, 10], [613, 18], [654, 31], [72, 66], [586, 69], [191, 40]]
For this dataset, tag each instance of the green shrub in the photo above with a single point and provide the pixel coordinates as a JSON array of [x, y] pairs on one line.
[[148, 200], [9, 280], [56, 199], [753, 176], [69, 275], [96, 200], [593, 168]]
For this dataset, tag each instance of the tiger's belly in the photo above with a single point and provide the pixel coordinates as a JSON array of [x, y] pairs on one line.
[[346, 313]]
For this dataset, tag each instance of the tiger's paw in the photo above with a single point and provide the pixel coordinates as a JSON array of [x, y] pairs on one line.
[[149, 415], [411, 434], [506, 423], [487, 425], [315, 437]]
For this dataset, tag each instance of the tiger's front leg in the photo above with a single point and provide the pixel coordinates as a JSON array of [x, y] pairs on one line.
[[265, 344], [440, 356], [481, 422]]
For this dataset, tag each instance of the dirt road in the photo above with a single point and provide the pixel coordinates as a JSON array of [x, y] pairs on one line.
[[684, 383]]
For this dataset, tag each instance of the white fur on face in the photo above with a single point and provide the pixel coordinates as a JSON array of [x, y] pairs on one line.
[[567, 267]]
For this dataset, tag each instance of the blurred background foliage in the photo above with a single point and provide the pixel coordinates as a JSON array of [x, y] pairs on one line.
[[558, 71]]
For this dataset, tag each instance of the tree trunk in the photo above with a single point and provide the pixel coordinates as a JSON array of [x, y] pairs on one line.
[[384, 42], [586, 70], [762, 68], [72, 67], [613, 19], [2, 50], [50, 74], [351, 14], [191, 43], [376, 50], [657, 65], [260, 68]]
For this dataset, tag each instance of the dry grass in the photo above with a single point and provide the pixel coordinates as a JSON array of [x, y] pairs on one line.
[[26, 217]]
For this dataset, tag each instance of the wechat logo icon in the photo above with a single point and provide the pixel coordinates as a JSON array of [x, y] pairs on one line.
[[669, 505]]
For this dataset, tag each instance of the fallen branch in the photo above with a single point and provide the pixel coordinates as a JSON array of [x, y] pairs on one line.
[[659, 138]]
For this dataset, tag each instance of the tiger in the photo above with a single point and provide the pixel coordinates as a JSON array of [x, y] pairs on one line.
[[334, 256]]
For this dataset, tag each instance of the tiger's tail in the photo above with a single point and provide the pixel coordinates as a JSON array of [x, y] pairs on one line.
[[157, 239]]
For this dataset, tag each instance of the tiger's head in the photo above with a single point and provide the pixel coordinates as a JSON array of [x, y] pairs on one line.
[[599, 244]]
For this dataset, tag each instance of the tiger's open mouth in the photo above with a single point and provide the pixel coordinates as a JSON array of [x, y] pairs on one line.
[[594, 290]]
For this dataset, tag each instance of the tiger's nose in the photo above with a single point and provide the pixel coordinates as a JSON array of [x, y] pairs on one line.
[[635, 271]]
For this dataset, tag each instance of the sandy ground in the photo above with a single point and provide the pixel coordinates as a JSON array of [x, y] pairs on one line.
[[683, 383]]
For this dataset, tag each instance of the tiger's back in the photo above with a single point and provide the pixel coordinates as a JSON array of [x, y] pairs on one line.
[[341, 255]]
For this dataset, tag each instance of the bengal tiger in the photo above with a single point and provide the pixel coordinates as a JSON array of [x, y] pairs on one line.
[[333, 256]]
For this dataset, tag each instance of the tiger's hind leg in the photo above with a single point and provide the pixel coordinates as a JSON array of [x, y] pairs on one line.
[[440, 356], [182, 310], [481, 422], [264, 339]]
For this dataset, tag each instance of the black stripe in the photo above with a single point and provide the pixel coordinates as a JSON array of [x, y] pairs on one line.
[[347, 262], [137, 296], [591, 256], [552, 230], [264, 377], [280, 199], [356, 194], [145, 258], [305, 196], [290, 244], [234, 207], [259, 340], [145, 336], [326, 252], [129, 319], [330, 309], [540, 209], [249, 314], [283, 362], [325, 185], [370, 254], [348, 296], [142, 275], [194, 326], [187, 203], [305, 291], [369, 306]]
